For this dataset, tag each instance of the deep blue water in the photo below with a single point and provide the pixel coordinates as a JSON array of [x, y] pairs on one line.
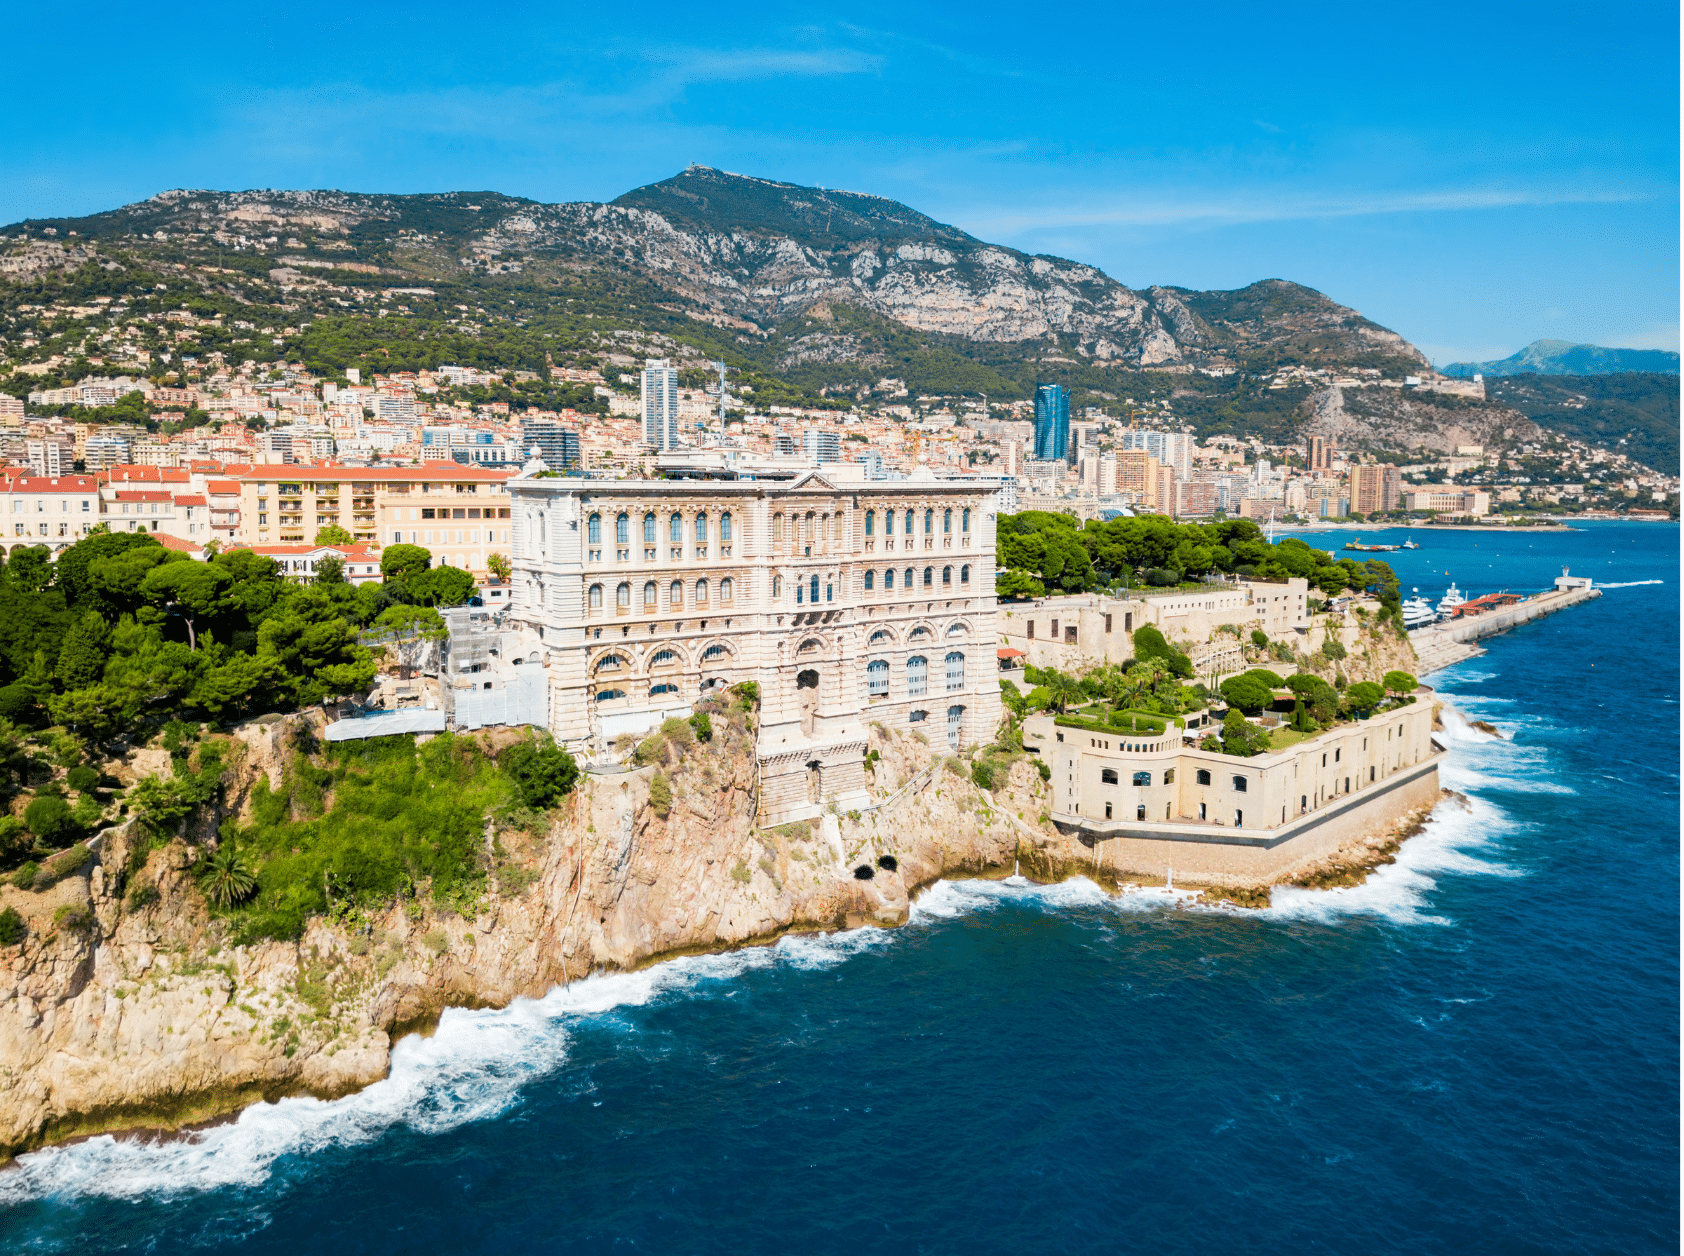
[[1477, 1051]]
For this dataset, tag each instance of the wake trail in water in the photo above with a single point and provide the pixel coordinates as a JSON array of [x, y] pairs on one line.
[[1626, 584]]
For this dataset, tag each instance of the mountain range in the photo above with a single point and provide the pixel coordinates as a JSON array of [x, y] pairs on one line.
[[1563, 357], [811, 297]]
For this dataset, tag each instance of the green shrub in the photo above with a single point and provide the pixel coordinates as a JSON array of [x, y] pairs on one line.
[[678, 732], [1333, 648], [402, 814], [50, 819], [1044, 769], [82, 779], [15, 839], [660, 794], [542, 775], [24, 877], [982, 773], [61, 865], [703, 726], [72, 916], [954, 765], [12, 928], [437, 941], [1259, 638], [749, 691]]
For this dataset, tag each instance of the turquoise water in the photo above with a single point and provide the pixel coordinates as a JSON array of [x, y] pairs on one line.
[[1476, 1051]]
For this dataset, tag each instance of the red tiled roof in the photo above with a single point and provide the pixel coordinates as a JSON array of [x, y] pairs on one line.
[[1006, 652], [222, 488], [144, 496], [186, 501], [52, 484]]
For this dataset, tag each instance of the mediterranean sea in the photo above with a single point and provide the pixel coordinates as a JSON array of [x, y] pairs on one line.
[[1475, 1051]]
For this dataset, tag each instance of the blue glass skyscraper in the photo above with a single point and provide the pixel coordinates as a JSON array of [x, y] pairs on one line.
[[1052, 422]]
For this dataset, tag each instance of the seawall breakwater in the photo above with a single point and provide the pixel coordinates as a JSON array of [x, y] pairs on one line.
[[1443, 644]]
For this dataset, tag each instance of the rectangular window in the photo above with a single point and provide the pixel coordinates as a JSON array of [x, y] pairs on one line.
[[1108, 623], [1054, 633]]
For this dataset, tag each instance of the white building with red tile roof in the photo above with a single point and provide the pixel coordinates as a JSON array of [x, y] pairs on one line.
[[56, 511]]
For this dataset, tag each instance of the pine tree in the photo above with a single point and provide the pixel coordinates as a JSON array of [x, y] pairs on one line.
[[82, 660], [37, 679]]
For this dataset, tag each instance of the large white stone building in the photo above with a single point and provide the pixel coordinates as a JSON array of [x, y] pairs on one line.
[[846, 603]]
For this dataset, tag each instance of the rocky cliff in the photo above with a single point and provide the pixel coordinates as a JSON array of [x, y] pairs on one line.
[[744, 253], [127, 1006]]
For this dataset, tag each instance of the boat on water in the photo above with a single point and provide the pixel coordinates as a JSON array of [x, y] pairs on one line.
[[1418, 612], [1453, 597], [1409, 543], [1371, 549]]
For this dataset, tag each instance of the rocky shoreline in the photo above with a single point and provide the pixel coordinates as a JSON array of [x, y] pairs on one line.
[[149, 1019]]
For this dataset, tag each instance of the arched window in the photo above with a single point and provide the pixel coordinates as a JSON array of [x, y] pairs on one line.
[[622, 595], [955, 670], [877, 679], [726, 589], [1108, 776], [649, 528], [917, 717], [888, 523], [965, 574], [888, 577], [701, 592], [675, 529], [918, 633], [1169, 776], [909, 523], [622, 529], [608, 695], [649, 593], [870, 580], [929, 521], [910, 574], [1142, 778], [675, 593], [1239, 784], [667, 687], [777, 527], [813, 591], [1202, 777], [609, 663], [947, 575], [800, 592], [701, 529], [917, 675], [929, 577], [596, 597], [829, 592], [882, 634], [661, 657], [947, 520], [956, 630], [713, 652], [871, 523], [777, 586], [965, 521], [725, 526], [593, 529]]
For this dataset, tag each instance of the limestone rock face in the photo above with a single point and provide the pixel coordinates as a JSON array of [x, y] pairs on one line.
[[116, 1016]]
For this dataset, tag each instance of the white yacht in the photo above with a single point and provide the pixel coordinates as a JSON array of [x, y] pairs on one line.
[[1418, 612], [1450, 601]]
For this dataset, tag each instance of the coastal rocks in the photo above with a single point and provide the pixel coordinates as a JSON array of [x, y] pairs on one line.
[[145, 1016]]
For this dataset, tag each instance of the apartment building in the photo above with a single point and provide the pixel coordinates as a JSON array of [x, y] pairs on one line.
[[1374, 487], [55, 511]]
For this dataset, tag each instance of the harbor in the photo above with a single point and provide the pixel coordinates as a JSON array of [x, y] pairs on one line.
[[1450, 640]]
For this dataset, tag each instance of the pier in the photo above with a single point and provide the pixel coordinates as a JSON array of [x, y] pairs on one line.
[[1441, 645]]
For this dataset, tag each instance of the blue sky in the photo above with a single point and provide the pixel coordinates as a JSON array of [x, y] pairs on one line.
[[1473, 175]]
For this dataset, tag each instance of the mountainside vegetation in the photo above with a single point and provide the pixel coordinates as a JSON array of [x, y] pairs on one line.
[[1635, 413]]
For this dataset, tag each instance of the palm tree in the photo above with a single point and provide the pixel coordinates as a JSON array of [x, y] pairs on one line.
[[1064, 690], [227, 878]]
